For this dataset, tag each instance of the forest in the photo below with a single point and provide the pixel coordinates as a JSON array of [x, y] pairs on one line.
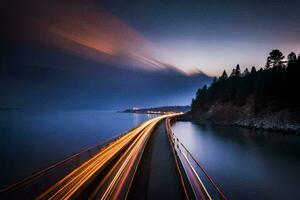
[[276, 86]]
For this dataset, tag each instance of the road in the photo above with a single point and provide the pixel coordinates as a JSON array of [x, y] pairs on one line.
[[148, 162], [122, 156], [157, 176]]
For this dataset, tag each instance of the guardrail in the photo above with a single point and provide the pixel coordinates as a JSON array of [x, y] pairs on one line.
[[177, 162], [197, 170]]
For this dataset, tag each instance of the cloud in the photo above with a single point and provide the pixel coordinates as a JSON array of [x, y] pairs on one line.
[[79, 27], [74, 54]]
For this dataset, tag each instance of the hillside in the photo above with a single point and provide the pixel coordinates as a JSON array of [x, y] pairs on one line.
[[268, 98]]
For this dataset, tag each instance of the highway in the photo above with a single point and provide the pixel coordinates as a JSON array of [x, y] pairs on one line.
[[122, 155], [142, 164]]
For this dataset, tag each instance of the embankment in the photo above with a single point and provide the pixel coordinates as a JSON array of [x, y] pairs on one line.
[[287, 120]]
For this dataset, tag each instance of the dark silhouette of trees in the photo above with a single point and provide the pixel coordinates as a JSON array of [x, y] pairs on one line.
[[238, 71], [232, 73], [245, 73], [292, 58], [267, 88], [223, 76], [268, 64], [253, 70], [275, 59]]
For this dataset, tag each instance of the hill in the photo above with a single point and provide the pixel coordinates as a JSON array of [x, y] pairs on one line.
[[268, 98]]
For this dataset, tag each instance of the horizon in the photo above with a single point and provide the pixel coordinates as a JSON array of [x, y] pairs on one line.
[[96, 33], [150, 99], [167, 56]]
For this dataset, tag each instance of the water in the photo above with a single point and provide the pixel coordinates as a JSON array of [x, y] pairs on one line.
[[30, 141], [245, 164]]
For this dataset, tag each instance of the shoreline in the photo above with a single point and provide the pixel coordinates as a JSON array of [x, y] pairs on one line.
[[252, 124]]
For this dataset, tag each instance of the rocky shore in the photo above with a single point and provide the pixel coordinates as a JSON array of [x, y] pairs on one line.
[[245, 116]]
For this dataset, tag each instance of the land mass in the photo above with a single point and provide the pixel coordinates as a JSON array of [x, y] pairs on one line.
[[158, 110], [264, 99]]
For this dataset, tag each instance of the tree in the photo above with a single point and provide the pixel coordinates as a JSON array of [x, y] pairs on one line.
[[232, 73], [253, 70], [275, 59], [268, 64], [263, 90], [215, 80], [224, 76], [193, 104], [246, 72], [292, 58], [198, 94], [204, 88], [238, 71]]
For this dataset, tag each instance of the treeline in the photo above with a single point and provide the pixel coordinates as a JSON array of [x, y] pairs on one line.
[[275, 87]]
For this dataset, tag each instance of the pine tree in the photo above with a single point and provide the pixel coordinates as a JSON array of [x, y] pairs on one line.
[[245, 73], [292, 58], [193, 104], [263, 86], [232, 73], [223, 76], [253, 70], [215, 80], [238, 71], [204, 88]]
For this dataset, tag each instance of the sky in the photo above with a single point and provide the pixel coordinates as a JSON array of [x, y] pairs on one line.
[[216, 34], [119, 54]]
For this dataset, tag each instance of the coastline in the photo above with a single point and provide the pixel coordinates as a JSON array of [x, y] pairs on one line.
[[157, 110], [261, 122]]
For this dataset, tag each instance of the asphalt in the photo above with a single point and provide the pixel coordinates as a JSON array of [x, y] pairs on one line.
[[156, 176]]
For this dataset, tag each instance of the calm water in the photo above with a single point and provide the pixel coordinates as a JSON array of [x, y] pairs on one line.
[[246, 164], [31, 141]]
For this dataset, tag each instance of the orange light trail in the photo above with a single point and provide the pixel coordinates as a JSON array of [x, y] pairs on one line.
[[133, 142]]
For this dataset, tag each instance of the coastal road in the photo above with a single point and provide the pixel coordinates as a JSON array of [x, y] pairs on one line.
[[119, 160], [157, 176]]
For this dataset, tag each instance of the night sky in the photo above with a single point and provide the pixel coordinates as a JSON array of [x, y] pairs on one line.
[[216, 34], [119, 54]]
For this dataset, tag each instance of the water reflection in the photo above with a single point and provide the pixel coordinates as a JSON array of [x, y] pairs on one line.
[[246, 164]]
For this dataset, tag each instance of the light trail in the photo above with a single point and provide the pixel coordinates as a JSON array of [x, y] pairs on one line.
[[133, 143], [197, 176], [122, 175], [197, 185]]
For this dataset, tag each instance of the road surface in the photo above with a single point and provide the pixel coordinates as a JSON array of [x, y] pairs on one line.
[[157, 176]]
